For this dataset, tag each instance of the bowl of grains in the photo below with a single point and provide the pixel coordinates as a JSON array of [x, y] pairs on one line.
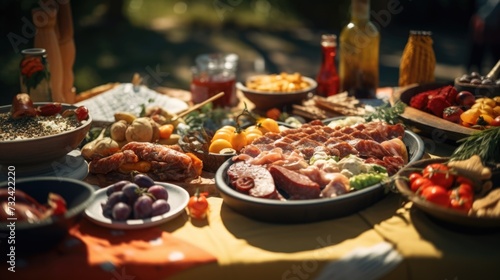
[[277, 90], [37, 133]]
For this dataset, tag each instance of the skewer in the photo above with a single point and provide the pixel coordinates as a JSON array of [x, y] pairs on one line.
[[197, 106]]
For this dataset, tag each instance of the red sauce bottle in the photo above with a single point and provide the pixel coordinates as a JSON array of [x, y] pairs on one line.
[[328, 78]]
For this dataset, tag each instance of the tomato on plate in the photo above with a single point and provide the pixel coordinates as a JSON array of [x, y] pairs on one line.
[[420, 183], [82, 113], [439, 174], [198, 205], [437, 195], [496, 121], [414, 176], [462, 196], [239, 140], [452, 114]]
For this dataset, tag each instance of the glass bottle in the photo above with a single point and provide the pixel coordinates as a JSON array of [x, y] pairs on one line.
[[359, 53], [34, 75], [328, 78]]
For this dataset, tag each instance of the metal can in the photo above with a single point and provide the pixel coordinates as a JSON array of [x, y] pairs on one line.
[[35, 75]]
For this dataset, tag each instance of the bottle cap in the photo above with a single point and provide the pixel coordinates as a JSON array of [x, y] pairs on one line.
[[329, 40]]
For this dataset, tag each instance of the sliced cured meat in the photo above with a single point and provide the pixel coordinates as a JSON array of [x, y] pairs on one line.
[[254, 180], [391, 163], [361, 135], [296, 185], [344, 149], [396, 147], [318, 137], [370, 148]]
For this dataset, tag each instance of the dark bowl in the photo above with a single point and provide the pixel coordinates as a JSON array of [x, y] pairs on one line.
[[42, 150], [306, 211], [442, 214], [38, 237], [478, 90]]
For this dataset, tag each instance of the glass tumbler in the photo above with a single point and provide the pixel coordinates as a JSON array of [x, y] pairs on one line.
[[212, 74]]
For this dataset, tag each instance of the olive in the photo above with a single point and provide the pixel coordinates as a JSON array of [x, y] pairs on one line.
[[464, 79], [475, 75], [475, 81], [487, 81]]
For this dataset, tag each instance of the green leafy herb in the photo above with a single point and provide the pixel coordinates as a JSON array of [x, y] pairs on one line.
[[387, 113], [485, 144]]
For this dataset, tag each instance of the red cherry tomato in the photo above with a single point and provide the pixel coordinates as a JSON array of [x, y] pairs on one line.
[[439, 174], [82, 113], [465, 190], [437, 195], [414, 176], [496, 121], [420, 183], [198, 205], [452, 114]]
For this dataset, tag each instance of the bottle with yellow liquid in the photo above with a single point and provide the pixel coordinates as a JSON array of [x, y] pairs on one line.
[[359, 53]]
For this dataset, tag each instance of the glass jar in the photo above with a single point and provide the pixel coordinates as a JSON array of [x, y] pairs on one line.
[[34, 75], [328, 78], [359, 53], [212, 74], [418, 61]]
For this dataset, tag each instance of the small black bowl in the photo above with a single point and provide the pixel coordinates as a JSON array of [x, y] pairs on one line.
[[38, 237]]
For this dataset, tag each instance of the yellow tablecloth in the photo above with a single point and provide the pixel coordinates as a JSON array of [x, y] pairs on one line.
[[248, 249]]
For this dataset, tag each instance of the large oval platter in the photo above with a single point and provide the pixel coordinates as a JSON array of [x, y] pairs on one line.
[[311, 210], [178, 199]]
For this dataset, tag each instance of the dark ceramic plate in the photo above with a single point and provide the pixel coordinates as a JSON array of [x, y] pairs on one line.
[[312, 210], [448, 216]]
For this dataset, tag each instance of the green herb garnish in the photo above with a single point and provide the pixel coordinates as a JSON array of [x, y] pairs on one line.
[[485, 144], [387, 113]]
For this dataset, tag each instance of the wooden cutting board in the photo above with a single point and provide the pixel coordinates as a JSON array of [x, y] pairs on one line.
[[437, 128]]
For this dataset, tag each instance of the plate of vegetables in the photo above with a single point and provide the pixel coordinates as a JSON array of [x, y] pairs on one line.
[[137, 203], [440, 106]]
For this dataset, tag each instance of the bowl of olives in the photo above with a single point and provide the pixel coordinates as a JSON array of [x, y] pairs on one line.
[[479, 85]]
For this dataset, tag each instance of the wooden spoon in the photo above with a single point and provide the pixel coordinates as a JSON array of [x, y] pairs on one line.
[[197, 106]]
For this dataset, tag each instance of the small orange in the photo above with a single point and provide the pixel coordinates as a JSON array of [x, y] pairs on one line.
[[219, 144]]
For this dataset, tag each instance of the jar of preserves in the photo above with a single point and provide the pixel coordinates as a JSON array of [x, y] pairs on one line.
[[359, 53], [34, 75]]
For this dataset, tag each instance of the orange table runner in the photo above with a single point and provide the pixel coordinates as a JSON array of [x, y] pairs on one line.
[[94, 252]]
